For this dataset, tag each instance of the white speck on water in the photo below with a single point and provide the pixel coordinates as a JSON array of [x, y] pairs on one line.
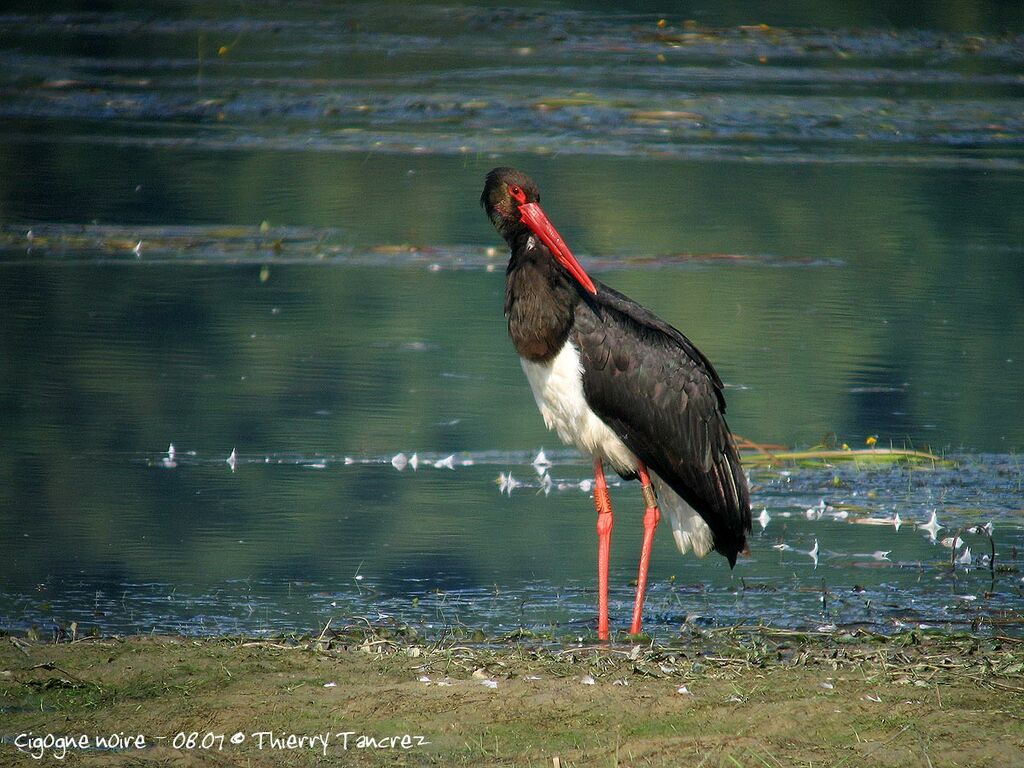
[[232, 459], [168, 462], [414, 462], [137, 250], [876, 555], [965, 558], [987, 528], [446, 463], [586, 485], [932, 526], [782, 547], [507, 483], [399, 461], [764, 518], [893, 521], [541, 460]]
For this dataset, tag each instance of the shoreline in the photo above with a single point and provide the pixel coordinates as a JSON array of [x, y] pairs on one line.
[[366, 695]]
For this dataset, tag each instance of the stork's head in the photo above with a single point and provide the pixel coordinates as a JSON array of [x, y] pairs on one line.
[[512, 202]]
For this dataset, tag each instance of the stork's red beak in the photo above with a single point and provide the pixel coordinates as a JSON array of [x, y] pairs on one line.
[[535, 218]]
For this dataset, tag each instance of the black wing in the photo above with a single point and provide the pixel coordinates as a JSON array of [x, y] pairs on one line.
[[663, 398]]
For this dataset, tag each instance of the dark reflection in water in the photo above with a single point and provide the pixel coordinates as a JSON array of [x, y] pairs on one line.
[[438, 546], [257, 231]]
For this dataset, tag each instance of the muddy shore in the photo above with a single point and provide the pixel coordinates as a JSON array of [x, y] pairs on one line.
[[382, 696]]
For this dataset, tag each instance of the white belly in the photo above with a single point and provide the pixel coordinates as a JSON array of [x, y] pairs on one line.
[[558, 389]]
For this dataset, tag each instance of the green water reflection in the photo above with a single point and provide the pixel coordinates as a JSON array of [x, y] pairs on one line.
[[845, 283]]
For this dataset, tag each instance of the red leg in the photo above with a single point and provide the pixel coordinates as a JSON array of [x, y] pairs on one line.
[[651, 517], [605, 521]]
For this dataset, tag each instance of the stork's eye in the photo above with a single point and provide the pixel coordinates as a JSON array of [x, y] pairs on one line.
[[517, 193]]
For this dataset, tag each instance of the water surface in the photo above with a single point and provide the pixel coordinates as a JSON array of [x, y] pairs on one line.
[[258, 231]]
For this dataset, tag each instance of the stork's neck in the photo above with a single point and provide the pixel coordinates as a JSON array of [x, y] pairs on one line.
[[540, 300]]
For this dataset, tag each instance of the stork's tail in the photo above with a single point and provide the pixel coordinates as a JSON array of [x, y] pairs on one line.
[[688, 527]]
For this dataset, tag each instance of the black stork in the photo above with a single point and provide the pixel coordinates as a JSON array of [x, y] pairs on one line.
[[619, 383]]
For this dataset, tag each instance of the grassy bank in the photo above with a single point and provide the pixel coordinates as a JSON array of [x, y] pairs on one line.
[[715, 698]]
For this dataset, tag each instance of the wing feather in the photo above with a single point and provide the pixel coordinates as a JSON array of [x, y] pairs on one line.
[[664, 400]]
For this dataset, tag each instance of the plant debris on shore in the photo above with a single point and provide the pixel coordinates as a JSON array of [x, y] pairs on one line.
[[382, 695]]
